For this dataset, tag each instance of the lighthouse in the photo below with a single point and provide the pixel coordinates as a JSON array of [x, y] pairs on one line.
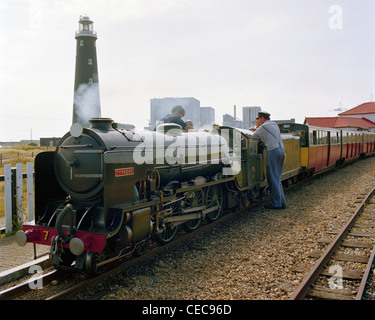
[[86, 84]]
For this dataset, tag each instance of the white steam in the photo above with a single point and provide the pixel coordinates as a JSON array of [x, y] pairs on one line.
[[87, 103]]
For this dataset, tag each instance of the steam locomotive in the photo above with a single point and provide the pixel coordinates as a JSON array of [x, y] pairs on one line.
[[106, 192]]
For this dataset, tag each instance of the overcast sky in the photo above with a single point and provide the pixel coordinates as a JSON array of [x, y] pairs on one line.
[[293, 58]]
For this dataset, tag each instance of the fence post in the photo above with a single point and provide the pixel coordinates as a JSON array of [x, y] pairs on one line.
[[8, 197], [30, 192], [13, 195], [19, 192]]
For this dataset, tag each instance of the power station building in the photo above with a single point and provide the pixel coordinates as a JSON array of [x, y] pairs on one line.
[[249, 114]]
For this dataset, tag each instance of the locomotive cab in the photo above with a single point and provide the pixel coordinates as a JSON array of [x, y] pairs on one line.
[[249, 151]]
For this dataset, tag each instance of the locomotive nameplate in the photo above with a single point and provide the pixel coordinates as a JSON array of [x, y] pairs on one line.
[[124, 172]]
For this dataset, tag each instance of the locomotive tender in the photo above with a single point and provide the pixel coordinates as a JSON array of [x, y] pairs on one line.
[[106, 192]]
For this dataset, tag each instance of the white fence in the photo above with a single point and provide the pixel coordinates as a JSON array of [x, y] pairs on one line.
[[17, 207]]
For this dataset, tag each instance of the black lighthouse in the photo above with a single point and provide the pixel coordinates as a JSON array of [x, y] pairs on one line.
[[86, 84]]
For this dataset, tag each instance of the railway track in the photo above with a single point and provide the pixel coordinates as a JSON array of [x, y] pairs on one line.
[[343, 269], [365, 213], [77, 286]]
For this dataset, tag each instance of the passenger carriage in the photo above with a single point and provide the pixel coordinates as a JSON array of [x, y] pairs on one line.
[[352, 144], [368, 143], [320, 147]]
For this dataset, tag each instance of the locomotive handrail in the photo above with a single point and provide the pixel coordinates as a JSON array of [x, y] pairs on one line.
[[77, 146]]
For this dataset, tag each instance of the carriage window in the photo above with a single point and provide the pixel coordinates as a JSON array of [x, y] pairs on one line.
[[335, 138], [321, 137], [314, 137]]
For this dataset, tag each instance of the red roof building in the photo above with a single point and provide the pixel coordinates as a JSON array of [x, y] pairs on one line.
[[361, 117], [367, 108], [341, 123]]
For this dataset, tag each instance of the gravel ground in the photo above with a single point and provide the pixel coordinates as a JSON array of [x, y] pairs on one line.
[[259, 255]]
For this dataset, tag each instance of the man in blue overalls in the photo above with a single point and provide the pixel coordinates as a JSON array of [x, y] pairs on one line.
[[176, 115], [269, 133]]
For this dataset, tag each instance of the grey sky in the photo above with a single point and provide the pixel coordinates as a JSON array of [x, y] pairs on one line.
[[294, 58]]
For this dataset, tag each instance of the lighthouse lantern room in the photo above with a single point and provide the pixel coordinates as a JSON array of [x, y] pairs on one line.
[[86, 27]]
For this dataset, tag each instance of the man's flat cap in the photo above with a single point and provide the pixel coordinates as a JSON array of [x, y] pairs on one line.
[[263, 113]]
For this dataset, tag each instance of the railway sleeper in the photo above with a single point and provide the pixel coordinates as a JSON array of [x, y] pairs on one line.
[[331, 294], [348, 244], [346, 274], [341, 257], [355, 233]]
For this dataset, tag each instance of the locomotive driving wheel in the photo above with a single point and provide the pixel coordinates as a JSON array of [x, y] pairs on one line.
[[168, 230], [214, 198], [195, 200]]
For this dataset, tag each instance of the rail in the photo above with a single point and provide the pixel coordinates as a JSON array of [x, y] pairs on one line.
[[308, 283]]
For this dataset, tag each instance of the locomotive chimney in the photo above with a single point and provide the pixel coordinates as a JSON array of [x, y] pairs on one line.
[[103, 124], [86, 84]]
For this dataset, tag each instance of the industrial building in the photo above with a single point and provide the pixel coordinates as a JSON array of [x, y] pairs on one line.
[[201, 117]]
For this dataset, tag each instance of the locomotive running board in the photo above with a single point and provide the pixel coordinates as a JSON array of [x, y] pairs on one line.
[[183, 218], [191, 216]]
